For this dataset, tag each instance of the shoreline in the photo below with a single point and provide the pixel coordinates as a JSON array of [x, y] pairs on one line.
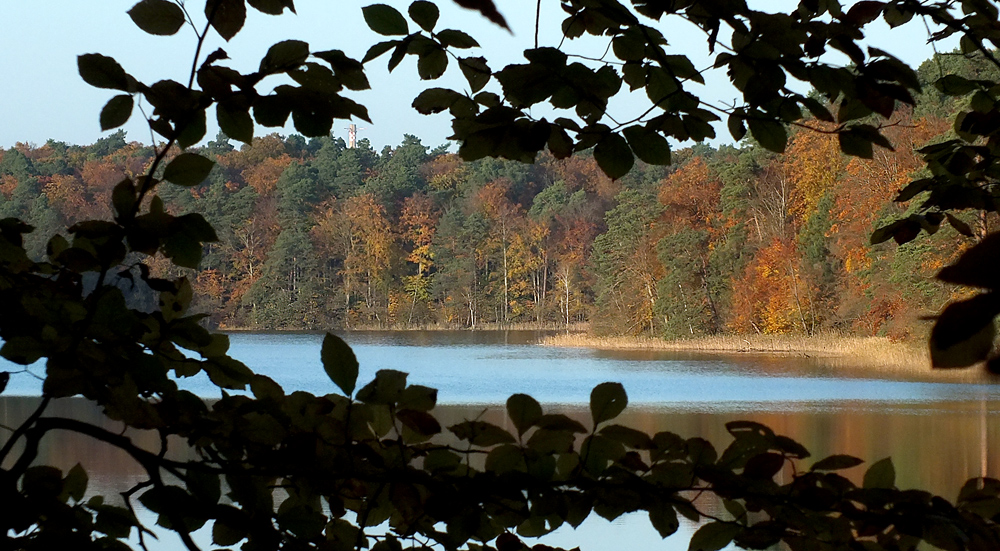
[[870, 357]]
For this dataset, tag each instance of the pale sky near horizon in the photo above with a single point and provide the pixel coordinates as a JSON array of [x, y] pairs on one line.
[[43, 97]]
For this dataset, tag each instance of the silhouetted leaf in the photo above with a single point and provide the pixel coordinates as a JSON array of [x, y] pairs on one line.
[[116, 112], [235, 121], [836, 463], [960, 226], [771, 134], [978, 266], [764, 466], [524, 411], [664, 519], [385, 389], [419, 422], [882, 474], [339, 362], [158, 17], [272, 7], [102, 72], [607, 401], [954, 85], [481, 433], [4, 379], [227, 16], [456, 39], [284, 55], [188, 169], [613, 155], [476, 72], [420, 398], [963, 334], [648, 145], [713, 536], [487, 8], [74, 486], [385, 20], [425, 14]]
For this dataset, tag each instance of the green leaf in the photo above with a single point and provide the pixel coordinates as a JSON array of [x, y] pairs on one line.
[[188, 169], [963, 334], [524, 411], [75, 484], [432, 64], [487, 8], [896, 16], [635, 439], [351, 72], [648, 145], [882, 474], [977, 267], [227, 16], [613, 155], [377, 50], [272, 7], [425, 14], [737, 126], [385, 389], [385, 20], [504, 459], [771, 134], [481, 433], [663, 517], [836, 463], [123, 197], [158, 17], [102, 72], [283, 56], [420, 398], [339, 362], [192, 130], [855, 144], [271, 111], [235, 121], [954, 85], [607, 401], [476, 72], [419, 422], [713, 536], [116, 112], [456, 39], [435, 100]]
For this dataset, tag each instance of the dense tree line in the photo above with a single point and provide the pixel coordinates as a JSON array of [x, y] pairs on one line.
[[736, 239]]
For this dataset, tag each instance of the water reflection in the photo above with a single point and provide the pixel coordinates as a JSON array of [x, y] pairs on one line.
[[934, 447], [939, 435]]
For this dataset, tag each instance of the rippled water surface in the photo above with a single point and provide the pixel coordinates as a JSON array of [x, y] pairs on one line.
[[939, 434]]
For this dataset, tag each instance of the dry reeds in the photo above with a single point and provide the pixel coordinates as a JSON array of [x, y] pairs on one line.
[[871, 356]]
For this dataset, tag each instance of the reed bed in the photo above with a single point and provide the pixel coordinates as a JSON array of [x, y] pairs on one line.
[[865, 356]]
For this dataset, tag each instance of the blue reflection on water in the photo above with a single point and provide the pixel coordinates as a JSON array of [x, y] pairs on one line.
[[487, 367]]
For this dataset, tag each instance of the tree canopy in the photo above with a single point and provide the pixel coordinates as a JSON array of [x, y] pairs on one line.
[[301, 471]]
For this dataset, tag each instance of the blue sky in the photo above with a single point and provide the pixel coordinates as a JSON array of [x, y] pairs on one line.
[[43, 97]]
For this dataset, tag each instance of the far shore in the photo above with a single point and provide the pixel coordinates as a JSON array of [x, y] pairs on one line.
[[864, 356]]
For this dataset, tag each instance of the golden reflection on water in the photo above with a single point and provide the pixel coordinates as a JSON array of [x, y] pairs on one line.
[[935, 447]]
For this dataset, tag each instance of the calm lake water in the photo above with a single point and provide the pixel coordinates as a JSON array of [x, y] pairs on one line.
[[939, 434]]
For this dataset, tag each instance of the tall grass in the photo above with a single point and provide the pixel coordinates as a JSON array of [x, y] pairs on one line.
[[874, 356]]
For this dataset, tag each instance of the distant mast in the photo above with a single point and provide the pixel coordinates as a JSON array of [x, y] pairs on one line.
[[352, 135]]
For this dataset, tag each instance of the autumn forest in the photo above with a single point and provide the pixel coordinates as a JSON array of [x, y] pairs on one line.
[[313, 234]]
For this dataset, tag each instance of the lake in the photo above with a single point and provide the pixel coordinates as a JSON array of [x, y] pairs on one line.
[[939, 434]]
